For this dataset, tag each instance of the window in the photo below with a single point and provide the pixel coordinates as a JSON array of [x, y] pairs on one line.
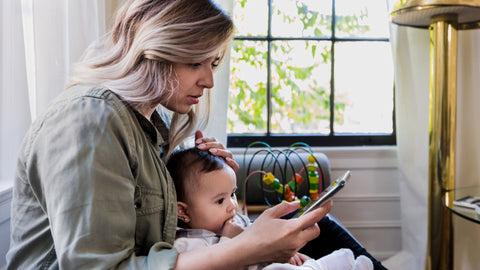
[[313, 71]]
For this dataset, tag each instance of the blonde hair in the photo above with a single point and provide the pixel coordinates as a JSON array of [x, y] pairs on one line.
[[135, 60]]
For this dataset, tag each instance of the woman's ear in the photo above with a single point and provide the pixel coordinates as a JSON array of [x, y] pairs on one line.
[[182, 212]]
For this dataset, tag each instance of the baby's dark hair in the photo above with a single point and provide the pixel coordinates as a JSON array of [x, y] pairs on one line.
[[185, 166]]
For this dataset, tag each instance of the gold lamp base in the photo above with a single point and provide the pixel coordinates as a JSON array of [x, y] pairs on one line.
[[443, 101], [443, 18]]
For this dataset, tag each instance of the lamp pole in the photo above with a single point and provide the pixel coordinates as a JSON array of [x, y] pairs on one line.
[[443, 101]]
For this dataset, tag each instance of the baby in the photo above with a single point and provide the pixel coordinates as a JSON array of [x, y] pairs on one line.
[[207, 211]]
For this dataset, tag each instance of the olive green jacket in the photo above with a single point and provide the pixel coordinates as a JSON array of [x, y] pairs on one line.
[[91, 190]]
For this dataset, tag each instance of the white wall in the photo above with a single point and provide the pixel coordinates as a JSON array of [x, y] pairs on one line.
[[369, 205]]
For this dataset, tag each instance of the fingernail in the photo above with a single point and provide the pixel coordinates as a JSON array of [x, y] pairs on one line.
[[199, 141], [213, 151], [201, 146]]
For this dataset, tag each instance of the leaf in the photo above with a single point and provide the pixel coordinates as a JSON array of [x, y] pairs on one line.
[[314, 49]]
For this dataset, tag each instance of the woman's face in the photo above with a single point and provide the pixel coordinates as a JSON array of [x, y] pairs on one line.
[[192, 80]]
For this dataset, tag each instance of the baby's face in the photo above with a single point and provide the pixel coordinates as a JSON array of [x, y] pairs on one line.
[[214, 201]]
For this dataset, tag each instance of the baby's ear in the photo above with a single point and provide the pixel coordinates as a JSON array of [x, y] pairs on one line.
[[182, 212]]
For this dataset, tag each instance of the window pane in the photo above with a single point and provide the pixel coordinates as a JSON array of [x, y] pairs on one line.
[[248, 87], [363, 87], [251, 17], [365, 18], [301, 18], [300, 87]]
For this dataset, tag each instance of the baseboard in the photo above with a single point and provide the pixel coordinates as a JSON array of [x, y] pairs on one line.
[[376, 224], [384, 255], [399, 261]]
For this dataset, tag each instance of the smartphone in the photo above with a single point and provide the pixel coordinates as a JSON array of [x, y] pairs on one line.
[[322, 197], [326, 195]]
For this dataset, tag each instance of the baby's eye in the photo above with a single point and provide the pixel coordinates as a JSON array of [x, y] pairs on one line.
[[220, 201], [195, 65]]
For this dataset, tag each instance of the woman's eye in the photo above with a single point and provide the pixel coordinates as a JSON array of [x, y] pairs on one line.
[[233, 195], [196, 64], [215, 64], [220, 201]]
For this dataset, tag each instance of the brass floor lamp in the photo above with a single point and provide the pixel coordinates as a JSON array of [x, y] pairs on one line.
[[444, 19]]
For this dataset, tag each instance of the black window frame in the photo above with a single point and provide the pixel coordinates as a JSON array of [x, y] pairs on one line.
[[331, 139]]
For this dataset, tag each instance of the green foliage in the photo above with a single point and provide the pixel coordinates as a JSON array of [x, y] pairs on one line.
[[351, 24], [313, 19]]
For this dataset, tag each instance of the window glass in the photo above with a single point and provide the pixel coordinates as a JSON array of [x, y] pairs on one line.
[[248, 87], [363, 87], [251, 17], [306, 18], [300, 87], [366, 18]]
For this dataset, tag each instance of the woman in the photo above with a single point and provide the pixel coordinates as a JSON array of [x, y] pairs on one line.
[[91, 188]]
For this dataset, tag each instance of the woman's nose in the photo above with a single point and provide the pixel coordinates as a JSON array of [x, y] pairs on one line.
[[206, 80]]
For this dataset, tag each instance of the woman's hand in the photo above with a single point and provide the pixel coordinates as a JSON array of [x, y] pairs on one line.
[[216, 149], [278, 240]]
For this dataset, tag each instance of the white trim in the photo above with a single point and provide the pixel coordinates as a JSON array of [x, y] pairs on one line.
[[5, 191], [372, 157], [343, 158], [374, 198], [373, 224], [5, 201], [330, 150], [383, 255]]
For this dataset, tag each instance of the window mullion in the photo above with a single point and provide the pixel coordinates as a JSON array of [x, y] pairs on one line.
[[332, 70], [269, 69]]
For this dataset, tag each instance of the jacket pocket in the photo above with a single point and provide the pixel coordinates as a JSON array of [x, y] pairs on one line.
[[148, 201], [149, 207]]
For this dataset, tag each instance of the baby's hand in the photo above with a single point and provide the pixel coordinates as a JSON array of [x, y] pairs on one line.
[[230, 229], [298, 259]]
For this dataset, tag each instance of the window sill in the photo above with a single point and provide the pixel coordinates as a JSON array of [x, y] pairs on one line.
[[5, 191], [5, 201], [348, 157], [340, 140]]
